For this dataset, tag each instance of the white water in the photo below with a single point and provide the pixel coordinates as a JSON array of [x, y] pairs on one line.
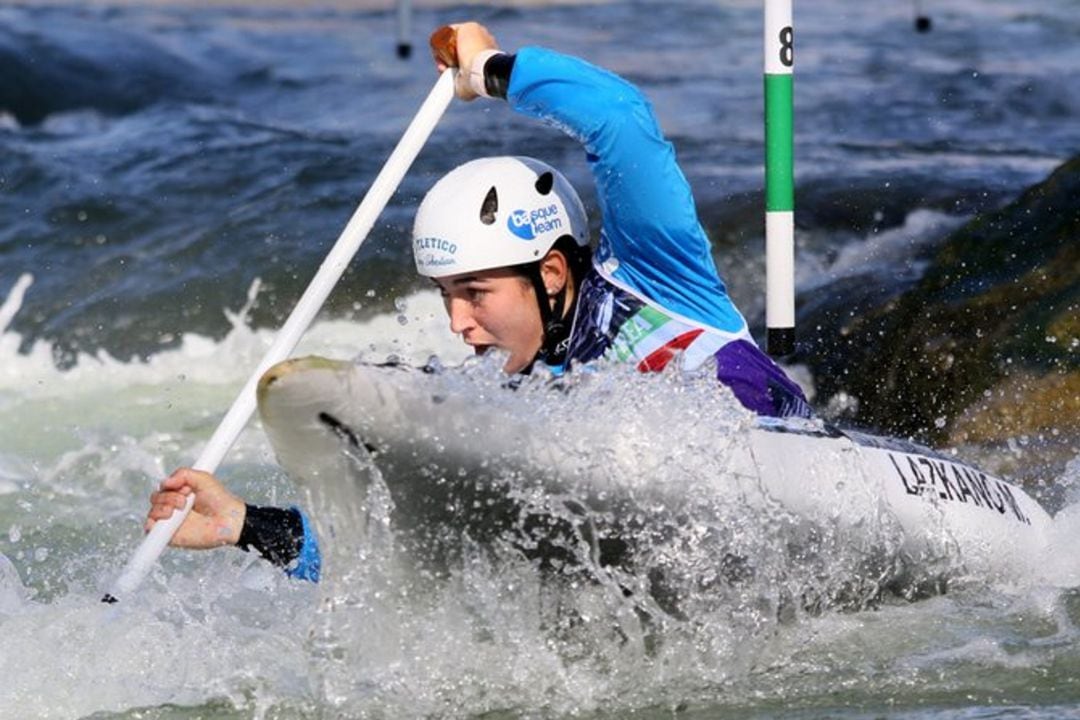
[[80, 450], [889, 251]]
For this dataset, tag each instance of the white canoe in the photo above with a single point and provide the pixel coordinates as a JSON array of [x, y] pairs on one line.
[[451, 448]]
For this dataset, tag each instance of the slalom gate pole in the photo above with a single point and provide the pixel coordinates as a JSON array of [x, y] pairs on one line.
[[404, 28], [779, 178]]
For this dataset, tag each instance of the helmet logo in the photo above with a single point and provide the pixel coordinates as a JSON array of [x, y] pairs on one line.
[[527, 224], [433, 252], [519, 224]]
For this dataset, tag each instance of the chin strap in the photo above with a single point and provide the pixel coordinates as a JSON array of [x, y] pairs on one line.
[[556, 322]]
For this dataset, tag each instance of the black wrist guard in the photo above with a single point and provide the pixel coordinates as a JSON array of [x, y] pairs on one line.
[[497, 71], [277, 534]]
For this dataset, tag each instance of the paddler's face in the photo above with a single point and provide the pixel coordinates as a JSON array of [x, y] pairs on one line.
[[495, 309]]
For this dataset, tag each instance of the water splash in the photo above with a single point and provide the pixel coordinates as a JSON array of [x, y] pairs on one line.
[[80, 450], [717, 604], [642, 583], [14, 300]]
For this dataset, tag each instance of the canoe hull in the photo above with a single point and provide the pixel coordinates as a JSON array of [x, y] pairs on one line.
[[459, 464]]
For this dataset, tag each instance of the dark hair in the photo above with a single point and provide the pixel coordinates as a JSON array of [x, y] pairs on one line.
[[578, 258]]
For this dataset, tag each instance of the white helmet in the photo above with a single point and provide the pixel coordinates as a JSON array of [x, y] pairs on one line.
[[492, 213]]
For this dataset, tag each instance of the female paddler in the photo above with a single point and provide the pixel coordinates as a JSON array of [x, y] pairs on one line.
[[506, 240]]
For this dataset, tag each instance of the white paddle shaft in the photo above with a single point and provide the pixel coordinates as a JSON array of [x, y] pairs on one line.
[[352, 237]]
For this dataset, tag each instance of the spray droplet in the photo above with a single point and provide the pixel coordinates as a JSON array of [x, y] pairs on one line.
[[14, 533], [939, 423]]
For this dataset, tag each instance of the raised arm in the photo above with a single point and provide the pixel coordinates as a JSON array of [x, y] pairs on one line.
[[651, 240]]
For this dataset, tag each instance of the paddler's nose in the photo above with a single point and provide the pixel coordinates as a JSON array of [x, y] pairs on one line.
[[461, 317]]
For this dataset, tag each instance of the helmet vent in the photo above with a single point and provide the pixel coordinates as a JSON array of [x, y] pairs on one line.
[[489, 207], [544, 183]]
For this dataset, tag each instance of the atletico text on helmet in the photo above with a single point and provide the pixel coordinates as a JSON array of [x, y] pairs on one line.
[[495, 212]]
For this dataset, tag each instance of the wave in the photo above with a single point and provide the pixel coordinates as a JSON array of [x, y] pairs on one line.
[[413, 332], [57, 62]]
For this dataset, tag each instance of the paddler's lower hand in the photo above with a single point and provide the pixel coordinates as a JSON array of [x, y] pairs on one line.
[[470, 43], [216, 519]]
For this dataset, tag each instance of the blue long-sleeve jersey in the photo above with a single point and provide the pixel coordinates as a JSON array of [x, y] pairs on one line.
[[654, 290]]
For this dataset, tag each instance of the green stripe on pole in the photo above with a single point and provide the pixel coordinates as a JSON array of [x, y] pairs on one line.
[[779, 143]]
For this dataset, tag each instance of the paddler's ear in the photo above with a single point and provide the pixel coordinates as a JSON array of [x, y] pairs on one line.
[[555, 271]]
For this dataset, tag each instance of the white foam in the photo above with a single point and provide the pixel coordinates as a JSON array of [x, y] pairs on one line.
[[12, 592], [1063, 562], [891, 250], [417, 330], [233, 639]]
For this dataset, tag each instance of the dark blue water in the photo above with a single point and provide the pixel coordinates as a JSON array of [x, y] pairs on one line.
[[154, 160]]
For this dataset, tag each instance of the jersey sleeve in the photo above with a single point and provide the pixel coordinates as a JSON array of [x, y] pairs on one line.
[[308, 562], [651, 239], [284, 537]]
